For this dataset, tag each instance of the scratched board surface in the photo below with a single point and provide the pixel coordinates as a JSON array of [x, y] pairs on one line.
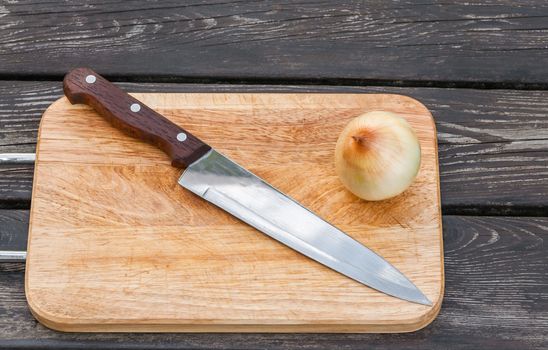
[[136, 252]]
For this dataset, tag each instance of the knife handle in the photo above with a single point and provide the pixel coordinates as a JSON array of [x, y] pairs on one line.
[[83, 85]]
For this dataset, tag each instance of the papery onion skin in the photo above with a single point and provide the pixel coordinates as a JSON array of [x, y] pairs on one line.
[[377, 155]]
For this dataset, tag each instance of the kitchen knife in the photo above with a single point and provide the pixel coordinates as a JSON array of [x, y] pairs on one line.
[[221, 181]]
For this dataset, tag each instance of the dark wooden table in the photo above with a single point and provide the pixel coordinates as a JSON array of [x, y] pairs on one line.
[[480, 66]]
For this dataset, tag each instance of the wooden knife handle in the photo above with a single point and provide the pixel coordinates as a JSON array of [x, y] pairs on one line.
[[83, 85]]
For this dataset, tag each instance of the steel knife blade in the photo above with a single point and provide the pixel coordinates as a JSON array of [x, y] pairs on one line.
[[224, 183]]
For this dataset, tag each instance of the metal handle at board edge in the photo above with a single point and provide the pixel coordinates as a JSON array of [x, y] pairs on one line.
[[12, 256]]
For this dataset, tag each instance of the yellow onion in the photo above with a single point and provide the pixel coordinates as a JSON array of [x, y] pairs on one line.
[[377, 155]]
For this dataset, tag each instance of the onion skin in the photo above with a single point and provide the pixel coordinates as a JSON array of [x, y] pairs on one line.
[[377, 155]]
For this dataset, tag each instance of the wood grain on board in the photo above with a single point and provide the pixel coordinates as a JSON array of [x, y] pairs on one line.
[[495, 289], [437, 42], [495, 137], [136, 252]]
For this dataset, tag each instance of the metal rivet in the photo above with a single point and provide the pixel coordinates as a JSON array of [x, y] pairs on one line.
[[135, 107], [181, 136], [90, 79]]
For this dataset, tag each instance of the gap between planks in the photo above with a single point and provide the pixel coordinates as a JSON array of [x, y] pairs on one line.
[[334, 82]]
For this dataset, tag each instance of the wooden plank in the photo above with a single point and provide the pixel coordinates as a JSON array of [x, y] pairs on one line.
[[495, 298], [490, 144], [15, 185], [13, 229], [472, 42], [490, 141]]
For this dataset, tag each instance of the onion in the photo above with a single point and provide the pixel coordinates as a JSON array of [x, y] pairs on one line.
[[377, 155]]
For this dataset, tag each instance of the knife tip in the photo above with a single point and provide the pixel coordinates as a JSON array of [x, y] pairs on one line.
[[422, 299], [426, 302]]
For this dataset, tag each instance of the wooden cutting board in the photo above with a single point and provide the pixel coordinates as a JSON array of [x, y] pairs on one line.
[[115, 244]]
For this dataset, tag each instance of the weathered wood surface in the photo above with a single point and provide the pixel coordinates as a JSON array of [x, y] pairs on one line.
[[491, 142], [496, 298], [13, 229], [481, 43], [15, 185]]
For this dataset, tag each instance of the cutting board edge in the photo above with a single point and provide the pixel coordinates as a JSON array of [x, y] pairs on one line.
[[67, 324], [28, 295]]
